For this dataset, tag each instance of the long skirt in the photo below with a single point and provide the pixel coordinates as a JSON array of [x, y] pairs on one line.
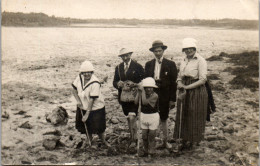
[[194, 113], [96, 122]]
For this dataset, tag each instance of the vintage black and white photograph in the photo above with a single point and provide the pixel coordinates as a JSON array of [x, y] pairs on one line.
[[130, 82]]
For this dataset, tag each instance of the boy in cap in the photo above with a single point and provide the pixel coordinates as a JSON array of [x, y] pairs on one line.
[[132, 71], [164, 72]]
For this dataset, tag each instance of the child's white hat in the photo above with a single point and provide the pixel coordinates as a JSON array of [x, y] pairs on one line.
[[86, 66], [149, 82]]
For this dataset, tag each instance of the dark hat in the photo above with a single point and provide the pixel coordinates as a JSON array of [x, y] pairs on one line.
[[158, 43]]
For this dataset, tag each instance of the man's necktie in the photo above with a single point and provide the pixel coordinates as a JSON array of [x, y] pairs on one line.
[[126, 67]]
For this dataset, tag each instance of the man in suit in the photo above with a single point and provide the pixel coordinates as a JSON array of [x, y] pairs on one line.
[[133, 71], [164, 72]]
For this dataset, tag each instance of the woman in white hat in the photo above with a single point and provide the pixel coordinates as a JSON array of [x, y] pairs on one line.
[[192, 77], [149, 117], [87, 91]]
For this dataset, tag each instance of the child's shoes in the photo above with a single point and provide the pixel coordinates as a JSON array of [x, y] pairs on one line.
[[132, 145]]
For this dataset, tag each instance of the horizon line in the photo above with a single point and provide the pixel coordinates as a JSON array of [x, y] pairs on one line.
[[133, 18]]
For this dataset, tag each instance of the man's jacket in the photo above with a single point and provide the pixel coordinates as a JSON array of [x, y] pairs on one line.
[[134, 73], [167, 83]]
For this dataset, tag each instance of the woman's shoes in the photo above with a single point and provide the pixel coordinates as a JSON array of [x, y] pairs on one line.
[[187, 146], [132, 144], [183, 146]]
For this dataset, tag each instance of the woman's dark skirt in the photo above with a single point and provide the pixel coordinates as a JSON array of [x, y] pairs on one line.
[[96, 122], [194, 113]]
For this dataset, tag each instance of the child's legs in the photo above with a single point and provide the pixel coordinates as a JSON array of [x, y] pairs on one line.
[[85, 139], [153, 126], [103, 138], [145, 139], [85, 136], [151, 140]]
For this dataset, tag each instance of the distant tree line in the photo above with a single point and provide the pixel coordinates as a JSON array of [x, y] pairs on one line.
[[31, 19], [41, 19]]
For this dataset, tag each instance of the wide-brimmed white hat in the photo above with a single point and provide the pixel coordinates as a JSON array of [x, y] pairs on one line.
[[86, 66], [189, 43], [124, 51], [149, 82]]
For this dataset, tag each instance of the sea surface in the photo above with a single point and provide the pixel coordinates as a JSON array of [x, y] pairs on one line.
[[28, 44]]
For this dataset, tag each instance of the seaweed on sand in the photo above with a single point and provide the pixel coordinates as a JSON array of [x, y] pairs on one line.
[[248, 67], [17, 92], [217, 87], [213, 77], [215, 58], [253, 104], [241, 81], [244, 59]]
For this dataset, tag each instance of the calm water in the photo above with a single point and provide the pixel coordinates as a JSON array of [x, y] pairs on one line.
[[25, 44]]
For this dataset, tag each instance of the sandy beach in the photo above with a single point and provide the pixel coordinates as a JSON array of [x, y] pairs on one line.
[[39, 65], [43, 44], [37, 87]]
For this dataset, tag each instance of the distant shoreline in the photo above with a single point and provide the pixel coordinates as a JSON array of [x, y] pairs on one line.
[[10, 19], [125, 26]]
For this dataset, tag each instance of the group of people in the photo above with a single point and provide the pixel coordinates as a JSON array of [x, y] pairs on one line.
[[160, 85]]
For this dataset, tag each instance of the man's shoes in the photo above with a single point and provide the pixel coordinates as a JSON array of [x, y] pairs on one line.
[[168, 145], [164, 145], [150, 158], [142, 153], [151, 155]]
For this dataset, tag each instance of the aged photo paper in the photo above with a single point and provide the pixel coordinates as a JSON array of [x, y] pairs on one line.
[[46, 86]]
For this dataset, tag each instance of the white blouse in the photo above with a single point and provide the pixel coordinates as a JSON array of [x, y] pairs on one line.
[[91, 90], [195, 68]]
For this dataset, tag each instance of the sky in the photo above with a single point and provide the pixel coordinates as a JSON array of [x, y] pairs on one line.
[[140, 9]]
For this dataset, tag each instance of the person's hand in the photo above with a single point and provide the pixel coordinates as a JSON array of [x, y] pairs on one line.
[[185, 87], [104, 80], [180, 85], [85, 117], [172, 104], [140, 87], [182, 94], [158, 82], [120, 84], [133, 85], [79, 105]]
